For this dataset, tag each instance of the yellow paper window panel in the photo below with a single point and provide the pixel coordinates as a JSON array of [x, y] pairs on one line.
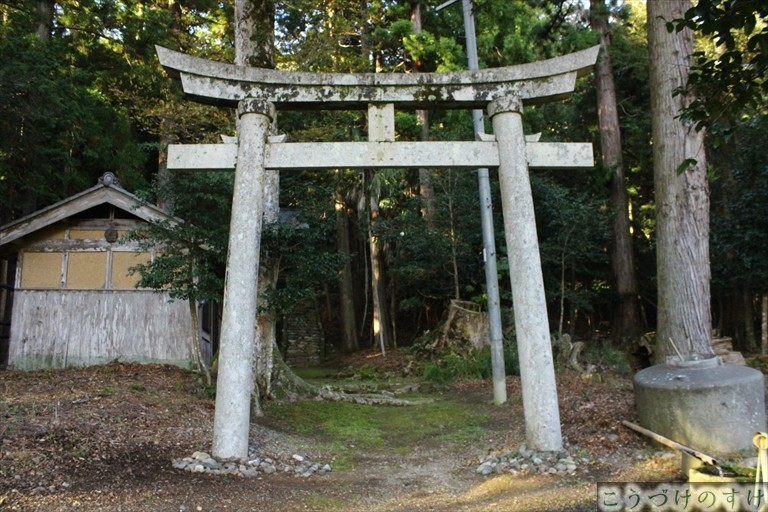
[[41, 270], [86, 270], [121, 264]]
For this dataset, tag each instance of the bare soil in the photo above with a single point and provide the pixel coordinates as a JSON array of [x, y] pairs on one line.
[[102, 438]]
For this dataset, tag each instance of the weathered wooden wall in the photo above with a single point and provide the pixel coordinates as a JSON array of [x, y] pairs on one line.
[[64, 328]]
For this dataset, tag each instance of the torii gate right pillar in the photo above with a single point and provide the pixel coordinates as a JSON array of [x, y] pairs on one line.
[[537, 370]]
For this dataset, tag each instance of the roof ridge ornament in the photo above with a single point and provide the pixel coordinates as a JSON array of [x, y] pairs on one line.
[[108, 179]]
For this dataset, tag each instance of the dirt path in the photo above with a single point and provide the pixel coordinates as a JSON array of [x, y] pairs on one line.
[[103, 439]]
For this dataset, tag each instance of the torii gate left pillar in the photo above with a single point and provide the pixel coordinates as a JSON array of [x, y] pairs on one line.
[[257, 92], [234, 381]]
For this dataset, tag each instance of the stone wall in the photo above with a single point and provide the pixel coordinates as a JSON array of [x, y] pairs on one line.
[[302, 336]]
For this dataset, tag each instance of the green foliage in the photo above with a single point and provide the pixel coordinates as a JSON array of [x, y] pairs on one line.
[[108, 390], [205, 390], [449, 368], [739, 229], [191, 262], [90, 96], [433, 53], [511, 361], [57, 136], [728, 78], [303, 242], [367, 373], [470, 364], [573, 236], [93, 98], [605, 355], [427, 263]]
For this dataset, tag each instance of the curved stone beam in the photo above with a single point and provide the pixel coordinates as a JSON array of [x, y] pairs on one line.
[[224, 84]]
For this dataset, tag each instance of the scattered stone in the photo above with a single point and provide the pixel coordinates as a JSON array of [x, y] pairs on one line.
[[522, 460], [254, 465]]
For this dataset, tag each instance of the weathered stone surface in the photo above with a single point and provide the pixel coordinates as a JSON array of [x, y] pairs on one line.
[[537, 369], [234, 382], [712, 407], [298, 464], [226, 84], [524, 461], [405, 155]]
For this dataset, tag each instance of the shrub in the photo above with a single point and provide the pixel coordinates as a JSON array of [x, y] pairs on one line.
[[484, 364], [474, 364]]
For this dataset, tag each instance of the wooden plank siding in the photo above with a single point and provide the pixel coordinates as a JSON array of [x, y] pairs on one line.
[[69, 328]]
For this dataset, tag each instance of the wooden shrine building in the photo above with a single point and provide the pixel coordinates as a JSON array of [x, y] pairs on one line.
[[68, 297]]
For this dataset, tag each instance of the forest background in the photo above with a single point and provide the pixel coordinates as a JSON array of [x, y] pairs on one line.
[[82, 92]]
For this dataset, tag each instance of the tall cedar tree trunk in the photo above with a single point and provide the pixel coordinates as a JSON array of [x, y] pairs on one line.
[[682, 192], [426, 189], [627, 322], [254, 43], [382, 335], [381, 325], [764, 325], [349, 339], [43, 19], [200, 363], [168, 125], [43, 25], [750, 344]]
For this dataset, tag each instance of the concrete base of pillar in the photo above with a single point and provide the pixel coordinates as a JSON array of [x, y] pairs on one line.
[[707, 405]]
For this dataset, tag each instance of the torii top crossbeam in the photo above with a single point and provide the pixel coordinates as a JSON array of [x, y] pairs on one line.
[[227, 84]]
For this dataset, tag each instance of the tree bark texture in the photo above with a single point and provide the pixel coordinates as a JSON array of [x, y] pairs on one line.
[[264, 338], [349, 339], [381, 324], [748, 310], [682, 192], [426, 189], [195, 341], [43, 19], [254, 33], [627, 322], [764, 325]]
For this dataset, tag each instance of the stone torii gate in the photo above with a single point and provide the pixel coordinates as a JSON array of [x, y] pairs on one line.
[[259, 93]]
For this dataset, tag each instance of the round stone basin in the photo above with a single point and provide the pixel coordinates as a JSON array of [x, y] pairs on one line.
[[702, 403]]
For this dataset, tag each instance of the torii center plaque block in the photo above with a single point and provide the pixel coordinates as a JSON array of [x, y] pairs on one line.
[[259, 93]]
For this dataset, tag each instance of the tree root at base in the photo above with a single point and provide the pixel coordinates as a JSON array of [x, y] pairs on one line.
[[285, 382]]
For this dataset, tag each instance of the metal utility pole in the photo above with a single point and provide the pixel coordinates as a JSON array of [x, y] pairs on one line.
[[486, 220]]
